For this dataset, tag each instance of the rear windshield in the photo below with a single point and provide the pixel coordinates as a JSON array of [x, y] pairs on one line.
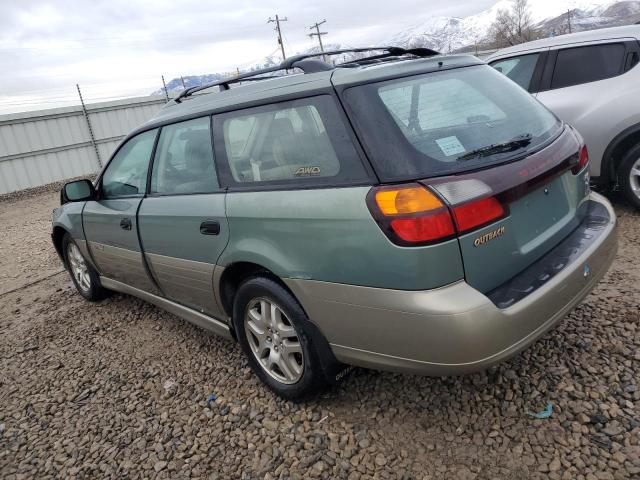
[[441, 123]]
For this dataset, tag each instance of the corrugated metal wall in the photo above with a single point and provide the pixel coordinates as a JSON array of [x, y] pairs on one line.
[[46, 146]]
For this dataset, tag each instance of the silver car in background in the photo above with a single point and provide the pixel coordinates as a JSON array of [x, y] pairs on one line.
[[591, 81]]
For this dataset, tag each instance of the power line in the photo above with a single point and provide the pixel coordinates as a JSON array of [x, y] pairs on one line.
[[277, 22], [319, 35]]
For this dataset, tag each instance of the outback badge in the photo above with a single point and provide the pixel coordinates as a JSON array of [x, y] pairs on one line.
[[487, 237]]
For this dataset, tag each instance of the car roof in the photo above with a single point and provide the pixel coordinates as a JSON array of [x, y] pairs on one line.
[[627, 31], [253, 92], [257, 92]]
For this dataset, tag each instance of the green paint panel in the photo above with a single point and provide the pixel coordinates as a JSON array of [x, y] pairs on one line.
[[102, 222], [170, 226], [329, 235], [536, 223], [69, 217]]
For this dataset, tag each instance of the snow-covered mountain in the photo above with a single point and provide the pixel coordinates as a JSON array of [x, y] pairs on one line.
[[450, 34], [447, 34]]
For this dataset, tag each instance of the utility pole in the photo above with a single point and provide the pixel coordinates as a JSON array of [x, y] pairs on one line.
[[280, 42], [569, 19], [166, 92], [319, 35]]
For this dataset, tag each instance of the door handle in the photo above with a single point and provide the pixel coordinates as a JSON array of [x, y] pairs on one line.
[[210, 227], [125, 223]]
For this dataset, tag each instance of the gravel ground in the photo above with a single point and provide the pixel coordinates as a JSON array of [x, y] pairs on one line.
[[120, 388]]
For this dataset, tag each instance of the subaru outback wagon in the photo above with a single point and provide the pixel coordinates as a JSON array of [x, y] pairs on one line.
[[404, 211]]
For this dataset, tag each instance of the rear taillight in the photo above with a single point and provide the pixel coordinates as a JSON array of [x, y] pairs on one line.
[[414, 215], [583, 160], [426, 228], [410, 214], [477, 213]]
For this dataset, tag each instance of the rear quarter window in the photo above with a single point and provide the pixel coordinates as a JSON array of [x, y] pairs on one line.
[[519, 69], [303, 142]]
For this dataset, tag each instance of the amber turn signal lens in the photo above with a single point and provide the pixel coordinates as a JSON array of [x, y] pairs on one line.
[[406, 200]]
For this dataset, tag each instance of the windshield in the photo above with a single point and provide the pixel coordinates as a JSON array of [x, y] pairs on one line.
[[446, 122]]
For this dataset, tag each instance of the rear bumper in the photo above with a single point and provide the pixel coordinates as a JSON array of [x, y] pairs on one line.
[[456, 329]]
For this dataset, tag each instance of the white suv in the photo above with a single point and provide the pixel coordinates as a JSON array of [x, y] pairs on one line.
[[591, 81]]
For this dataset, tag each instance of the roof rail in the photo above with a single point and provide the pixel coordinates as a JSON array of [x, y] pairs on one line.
[[304, 63], [390, 52]]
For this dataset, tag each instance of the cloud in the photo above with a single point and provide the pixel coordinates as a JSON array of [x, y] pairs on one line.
[[48, 46]]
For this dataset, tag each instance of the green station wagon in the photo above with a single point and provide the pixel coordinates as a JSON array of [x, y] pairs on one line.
[[404, 211]]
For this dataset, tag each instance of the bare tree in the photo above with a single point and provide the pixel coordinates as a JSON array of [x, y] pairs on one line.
[[513, 26]]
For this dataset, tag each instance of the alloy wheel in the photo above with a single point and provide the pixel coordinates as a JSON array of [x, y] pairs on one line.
[[634, 178], [274, 341], [78, 267]]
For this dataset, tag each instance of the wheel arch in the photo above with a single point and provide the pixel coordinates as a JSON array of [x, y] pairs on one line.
[[236, 273], [615, 151], [57, 235]]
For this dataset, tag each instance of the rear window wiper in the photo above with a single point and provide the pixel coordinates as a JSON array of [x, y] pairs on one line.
[[516, 143]]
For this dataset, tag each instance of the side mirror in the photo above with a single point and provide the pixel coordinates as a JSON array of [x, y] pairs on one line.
[[77, 191]]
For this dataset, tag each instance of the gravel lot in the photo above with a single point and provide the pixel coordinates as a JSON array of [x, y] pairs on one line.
[[120, 388]]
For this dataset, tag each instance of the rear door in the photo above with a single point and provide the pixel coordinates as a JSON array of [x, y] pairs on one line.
[[575, 75], [110, 223], [543, 202], [182, 223], [585, 84], [499, 159]]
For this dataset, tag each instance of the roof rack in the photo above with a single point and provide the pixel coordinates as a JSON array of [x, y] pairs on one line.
[[305, 63]]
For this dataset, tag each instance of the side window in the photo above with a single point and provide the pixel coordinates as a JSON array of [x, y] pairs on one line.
[[302, 141], [588, 64], [184, 159], [519, 69], [127, 172]]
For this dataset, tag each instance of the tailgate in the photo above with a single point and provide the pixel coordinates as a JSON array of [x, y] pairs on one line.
[[544, 200]]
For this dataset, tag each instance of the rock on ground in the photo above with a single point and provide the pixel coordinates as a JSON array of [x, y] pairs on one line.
[[119, 389]]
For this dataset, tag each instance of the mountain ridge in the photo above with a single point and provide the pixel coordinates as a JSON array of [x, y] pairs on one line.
[[458, 34]]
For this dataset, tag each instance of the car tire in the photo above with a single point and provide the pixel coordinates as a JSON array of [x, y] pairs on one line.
[[271, 328], [83, 275], [629, 176]]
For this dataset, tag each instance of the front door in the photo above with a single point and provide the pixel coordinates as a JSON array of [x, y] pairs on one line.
[[182, 222], [110, 223]]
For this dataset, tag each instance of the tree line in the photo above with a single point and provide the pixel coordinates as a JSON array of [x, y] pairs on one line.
[[515, 25]]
